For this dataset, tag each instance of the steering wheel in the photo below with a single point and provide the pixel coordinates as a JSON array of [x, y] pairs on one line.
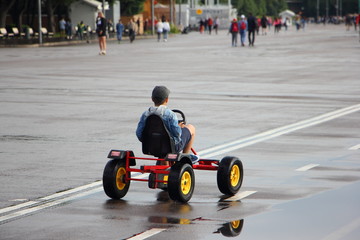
[[182, 115]]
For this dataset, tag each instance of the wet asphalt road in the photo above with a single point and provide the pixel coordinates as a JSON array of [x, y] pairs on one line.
[[288, 108]]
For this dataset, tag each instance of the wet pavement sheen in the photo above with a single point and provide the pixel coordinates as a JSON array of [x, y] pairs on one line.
[[63, 108]]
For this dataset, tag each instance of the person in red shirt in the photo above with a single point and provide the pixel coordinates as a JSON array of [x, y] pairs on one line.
[[210, 24]]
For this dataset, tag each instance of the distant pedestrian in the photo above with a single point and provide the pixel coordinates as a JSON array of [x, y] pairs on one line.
[[80, 30], [132, 30], [146, 24], [159, 29], [277, 25], [234, 30], [264, 23], [242, 27], [119, 30], [210, 24], [252, 25], [138, 26], [216, 25], [110, 26], [348, 21], [298, 22], [206, 25], [166, 29], [101, 32], [202, 26], [62, 26], [68, 29]]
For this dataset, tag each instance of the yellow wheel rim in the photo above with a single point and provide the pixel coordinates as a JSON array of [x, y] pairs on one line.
[[235, 224], [120, 177], [234, 175], [185, 183]]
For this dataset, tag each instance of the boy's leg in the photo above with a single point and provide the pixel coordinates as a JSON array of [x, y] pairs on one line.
[[188, 146]]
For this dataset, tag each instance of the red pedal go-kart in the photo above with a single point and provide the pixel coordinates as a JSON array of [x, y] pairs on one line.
[[173, 172]]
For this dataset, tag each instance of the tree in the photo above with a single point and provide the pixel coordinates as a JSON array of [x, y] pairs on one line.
[[131, 7], [17, 12], [5, 6], [260, 7], [348, 6], [238, 4], [51, 6], [249, 6]]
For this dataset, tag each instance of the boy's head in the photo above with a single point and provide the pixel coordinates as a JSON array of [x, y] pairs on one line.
[[159, 95]]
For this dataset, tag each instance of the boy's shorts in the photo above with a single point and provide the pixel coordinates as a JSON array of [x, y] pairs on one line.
[[185, 139]]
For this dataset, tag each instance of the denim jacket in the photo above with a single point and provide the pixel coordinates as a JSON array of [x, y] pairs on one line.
[[170, 120]]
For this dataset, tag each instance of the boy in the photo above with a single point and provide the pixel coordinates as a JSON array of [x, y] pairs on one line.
[[182, 134]]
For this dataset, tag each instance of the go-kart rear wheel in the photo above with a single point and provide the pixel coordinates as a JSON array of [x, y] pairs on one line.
[[181, 182], [114, 182], [232, 229], [230, 175]]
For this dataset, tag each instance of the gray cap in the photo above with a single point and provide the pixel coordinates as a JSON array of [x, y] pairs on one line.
[[160, 93]]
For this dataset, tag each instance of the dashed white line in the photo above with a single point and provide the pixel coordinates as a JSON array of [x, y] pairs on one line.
[[74, 190], [147, 234], [342, 232], [45, 205], [18, 206], [356, 147], [307, 167], [244, 142], [239, 196]]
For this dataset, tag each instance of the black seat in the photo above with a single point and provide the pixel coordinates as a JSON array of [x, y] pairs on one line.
[[156, 140]]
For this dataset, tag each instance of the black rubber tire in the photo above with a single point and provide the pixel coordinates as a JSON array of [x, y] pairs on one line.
[[230, 175], [232, 229], [114, 183], [181, 182]]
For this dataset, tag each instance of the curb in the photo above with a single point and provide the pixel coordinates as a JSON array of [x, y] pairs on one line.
[[71, 42]]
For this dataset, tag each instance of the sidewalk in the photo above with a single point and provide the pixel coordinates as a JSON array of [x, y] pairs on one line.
[[52, 42]]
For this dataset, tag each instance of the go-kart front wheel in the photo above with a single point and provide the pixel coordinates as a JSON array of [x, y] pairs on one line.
[[181, 182], [114, 179], [230, 175]]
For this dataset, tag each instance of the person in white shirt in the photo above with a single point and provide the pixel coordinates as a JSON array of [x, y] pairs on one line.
[[166, 29], [159, 29]]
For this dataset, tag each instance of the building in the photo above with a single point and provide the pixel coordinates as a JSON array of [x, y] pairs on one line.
[[87, 10], [190, 12]]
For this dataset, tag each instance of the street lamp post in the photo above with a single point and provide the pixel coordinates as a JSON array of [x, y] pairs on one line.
[[40, 23], [327, 10], [317, 11], [103, 7], [152, 18], [341, 13]]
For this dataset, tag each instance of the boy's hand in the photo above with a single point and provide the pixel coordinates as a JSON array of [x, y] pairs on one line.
[[181, 124]]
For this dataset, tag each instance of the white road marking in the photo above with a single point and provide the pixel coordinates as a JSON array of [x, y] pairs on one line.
[[74, 190], [356, 147], [19, 200], [239, 196], [220, 149], [344, 231], [142, 176], [244, 142], [18, 206], [147, 234], [45, 205], [307, 167]]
